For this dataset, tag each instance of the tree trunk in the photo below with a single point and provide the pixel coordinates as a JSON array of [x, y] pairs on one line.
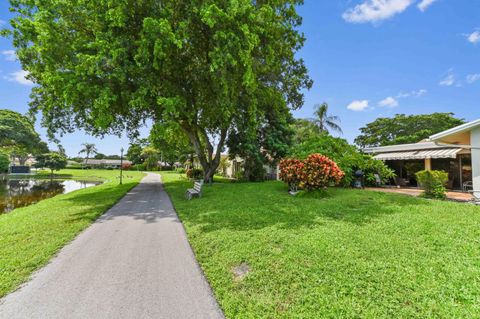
[[209, 161]]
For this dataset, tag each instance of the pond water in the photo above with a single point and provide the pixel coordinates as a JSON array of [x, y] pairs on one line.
[[16, 193]]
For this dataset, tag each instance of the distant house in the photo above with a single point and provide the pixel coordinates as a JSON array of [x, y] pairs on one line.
[[235, 168], [456, 151], [104, 163]]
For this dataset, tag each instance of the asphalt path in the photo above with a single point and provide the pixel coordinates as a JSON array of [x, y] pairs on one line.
[[133, 262]]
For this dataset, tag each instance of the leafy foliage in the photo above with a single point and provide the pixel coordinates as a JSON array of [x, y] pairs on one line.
[[263, 141], [315, 172], [433, 183], [107, 66], [150, 157], [324, 121], [347, 157], [134, 152], [405, 129], [194, 173], [4, 162], [54, 161], [304, 129], [171, 142], [18, 137]]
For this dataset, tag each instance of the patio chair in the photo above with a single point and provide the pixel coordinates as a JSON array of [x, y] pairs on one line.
[[378, 180], [467, 186]]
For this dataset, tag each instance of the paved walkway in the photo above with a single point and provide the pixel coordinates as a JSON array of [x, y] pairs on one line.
[[133, 262], [455, 196]]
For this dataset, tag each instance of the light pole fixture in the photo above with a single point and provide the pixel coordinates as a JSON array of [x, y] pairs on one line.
[[121, 165]]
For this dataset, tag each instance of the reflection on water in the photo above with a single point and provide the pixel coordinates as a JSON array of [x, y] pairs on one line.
[[24, 192]]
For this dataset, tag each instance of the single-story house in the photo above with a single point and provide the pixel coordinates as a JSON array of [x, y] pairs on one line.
[[236, 166], [456, 151], [105, 163]]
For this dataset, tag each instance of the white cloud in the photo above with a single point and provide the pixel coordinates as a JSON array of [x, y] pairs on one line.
[[358, 105], [416, 93], [473, 37], [424, 4], [389, 102], [10, 55], [473, 78], [19, 77], [449, 80], [375, 10]]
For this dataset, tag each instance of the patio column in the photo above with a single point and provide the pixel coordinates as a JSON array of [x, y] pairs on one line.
[[428, 164], [475, 142]]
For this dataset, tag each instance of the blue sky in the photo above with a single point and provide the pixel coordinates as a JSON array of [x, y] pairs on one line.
[[368, 58]]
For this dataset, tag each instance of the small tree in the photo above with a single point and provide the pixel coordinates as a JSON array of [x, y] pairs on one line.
[[151, 157], [4, 162], [433, 183], [54, 161]]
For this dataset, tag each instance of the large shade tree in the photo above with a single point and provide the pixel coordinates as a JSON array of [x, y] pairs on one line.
[[18, 136], [107, 66], [172, 143], [403, 128]]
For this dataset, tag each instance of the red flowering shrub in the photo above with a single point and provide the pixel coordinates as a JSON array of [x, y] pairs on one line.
[[291, 172], [126, 166], [320, 171], [316, 171]]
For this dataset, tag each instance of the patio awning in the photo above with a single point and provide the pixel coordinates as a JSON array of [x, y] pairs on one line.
[[421, 154]]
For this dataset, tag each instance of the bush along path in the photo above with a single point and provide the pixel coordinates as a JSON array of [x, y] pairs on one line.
[[133, 262]]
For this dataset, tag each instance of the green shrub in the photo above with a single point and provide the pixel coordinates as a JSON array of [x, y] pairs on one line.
[[194, 173], [347, 157], [433, 183], [181, 170], [4, 162], [138, 167]]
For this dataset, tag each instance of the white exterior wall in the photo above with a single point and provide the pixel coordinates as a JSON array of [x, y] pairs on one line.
[[475, 142]]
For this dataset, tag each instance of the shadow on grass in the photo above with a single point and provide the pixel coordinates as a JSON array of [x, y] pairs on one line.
[[143, 202], [249, 206]]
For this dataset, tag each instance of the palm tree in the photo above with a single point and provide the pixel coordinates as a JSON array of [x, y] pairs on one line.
[[324, 121], [88, 148]]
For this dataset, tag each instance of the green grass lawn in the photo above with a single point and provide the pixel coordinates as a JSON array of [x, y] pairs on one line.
[[351, 254], [30, 236]]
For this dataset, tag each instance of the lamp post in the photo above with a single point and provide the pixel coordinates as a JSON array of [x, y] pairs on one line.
[[121, 165]]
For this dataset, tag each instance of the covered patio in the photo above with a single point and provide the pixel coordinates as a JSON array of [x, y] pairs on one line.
[[455, 151]]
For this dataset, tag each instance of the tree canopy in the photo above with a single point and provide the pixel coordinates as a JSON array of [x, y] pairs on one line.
[[17, 129], [54, 161], [18, 136], [107, 66], [171, 142], [402, 129]]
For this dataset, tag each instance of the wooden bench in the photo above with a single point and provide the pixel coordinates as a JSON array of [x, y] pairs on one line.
[[195, 191]]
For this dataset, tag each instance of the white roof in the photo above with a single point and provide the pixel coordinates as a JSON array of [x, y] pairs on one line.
[[402, 148], [421, 154], [458, 129]]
